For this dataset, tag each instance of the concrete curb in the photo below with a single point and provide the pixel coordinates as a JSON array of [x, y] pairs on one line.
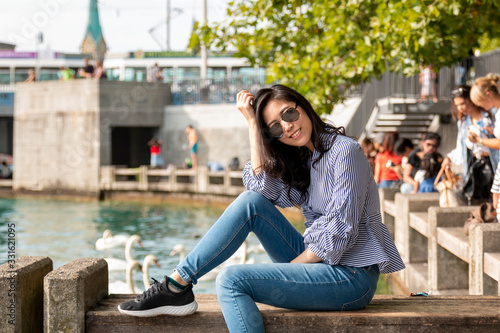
[[21, 290], [70, 291]]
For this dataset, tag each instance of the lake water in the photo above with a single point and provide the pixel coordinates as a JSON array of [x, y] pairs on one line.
[[67, 230]]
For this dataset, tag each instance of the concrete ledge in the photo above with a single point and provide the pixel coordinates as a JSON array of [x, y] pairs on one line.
[[483, 238], [384, 314], [412, 245], [70, 291], [387, 207], [21, 290], [446, 270]]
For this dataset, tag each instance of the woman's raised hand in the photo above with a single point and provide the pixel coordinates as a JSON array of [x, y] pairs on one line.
[[244, 101], [472, 136]]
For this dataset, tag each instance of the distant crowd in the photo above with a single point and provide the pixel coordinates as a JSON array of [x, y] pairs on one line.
[[97, 71], [473, 164], [88, 71]]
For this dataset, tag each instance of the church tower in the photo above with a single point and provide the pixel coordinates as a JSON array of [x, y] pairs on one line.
[[93, 43]]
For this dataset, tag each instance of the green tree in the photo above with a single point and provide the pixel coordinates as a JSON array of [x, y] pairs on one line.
[[323, 47], [194, 44]]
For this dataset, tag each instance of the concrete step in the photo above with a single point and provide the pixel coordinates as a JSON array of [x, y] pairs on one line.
[[415, 136], [401, 129], [454, 240], [422, 108], [451, 292], [391, 116], [404, 123], [492, 264], [384, 314], [417, 280]]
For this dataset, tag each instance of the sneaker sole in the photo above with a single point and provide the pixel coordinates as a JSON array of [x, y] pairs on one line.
[[171, 310]]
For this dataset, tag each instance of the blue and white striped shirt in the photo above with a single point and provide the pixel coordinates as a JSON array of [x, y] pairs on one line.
[[342, 211]]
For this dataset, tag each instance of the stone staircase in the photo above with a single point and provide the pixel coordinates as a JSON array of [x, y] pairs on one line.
[[411, 120]]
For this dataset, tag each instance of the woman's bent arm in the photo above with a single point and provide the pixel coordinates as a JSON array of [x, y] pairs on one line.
[[243, 103]]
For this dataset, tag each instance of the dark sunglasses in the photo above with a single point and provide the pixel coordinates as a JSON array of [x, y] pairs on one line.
[[290, 115]]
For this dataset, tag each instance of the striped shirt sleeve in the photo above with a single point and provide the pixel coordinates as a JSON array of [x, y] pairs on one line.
[[271, 188]]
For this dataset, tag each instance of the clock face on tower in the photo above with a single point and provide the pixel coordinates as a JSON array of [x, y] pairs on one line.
[[88, 45]]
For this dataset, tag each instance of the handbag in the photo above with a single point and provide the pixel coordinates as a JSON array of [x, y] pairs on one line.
[[478, 181], [485, 213], [447, 188]]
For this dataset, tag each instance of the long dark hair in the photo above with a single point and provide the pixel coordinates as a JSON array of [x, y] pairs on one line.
[[464, 92], [288, 163]]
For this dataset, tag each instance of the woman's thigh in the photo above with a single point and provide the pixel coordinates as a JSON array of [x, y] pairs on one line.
[[301, 286], [250, 212]]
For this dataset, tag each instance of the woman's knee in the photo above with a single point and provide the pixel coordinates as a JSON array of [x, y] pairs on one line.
[[251, 197], [225, 280], [229, 277]]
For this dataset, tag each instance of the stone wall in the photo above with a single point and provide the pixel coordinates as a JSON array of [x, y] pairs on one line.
[[62, 129], [222, 133]]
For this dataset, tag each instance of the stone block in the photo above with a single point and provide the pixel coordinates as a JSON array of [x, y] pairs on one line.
[[405, 236], [21, 290], [483, 238], [446, 271], [70, 291]]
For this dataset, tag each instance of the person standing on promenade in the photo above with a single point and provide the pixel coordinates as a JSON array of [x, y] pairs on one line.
[[156, 74], [31, 76], [66, 74], [192, 138], [99, 72], [155, 150], [468, 116], [485, 94], [387, 163], [87, 70], [427, 80], [296, 159]]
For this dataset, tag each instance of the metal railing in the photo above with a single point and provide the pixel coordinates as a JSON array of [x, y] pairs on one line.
[[200, 180], [7, 95], [398, 86], [7, 88], [214, 91]]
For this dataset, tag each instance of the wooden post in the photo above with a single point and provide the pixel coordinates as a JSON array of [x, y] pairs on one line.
[[143, 178]]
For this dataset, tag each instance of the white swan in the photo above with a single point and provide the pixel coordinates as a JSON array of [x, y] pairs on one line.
[[109, 241], [127, 287], [239, 257], [115, 264], [179, 248], [148, 260]]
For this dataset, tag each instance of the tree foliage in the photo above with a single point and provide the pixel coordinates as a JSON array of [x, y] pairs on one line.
[[321, 47]]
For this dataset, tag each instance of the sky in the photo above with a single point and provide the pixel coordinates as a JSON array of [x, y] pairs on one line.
[[125, 23]]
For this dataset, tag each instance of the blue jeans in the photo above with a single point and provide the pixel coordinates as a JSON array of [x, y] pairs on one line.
[[406, 188], [388, 183], [312, 287]]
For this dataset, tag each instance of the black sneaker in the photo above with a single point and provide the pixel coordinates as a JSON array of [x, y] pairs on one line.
[[159, 300]]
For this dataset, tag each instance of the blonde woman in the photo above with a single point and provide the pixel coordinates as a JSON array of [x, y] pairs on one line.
[[484, 93]]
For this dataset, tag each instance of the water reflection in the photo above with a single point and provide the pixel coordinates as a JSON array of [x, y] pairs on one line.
[[66, 230]]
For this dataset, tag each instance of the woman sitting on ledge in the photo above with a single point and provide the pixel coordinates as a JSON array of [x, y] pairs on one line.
[[296, 159]]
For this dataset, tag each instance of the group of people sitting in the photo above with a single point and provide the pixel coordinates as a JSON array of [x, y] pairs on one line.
[[397, 163]]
